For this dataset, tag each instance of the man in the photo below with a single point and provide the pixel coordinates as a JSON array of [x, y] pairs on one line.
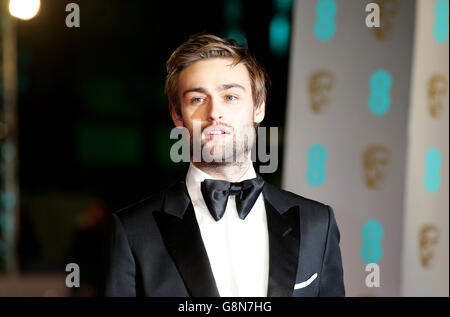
[[223, 230]]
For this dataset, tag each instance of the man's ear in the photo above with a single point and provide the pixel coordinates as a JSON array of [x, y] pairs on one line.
[[259, 113], [176, 118]]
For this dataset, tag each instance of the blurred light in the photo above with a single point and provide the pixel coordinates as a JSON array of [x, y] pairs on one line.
[[236, 34], [8, 200], [233, 11], [108, 144], [283, 5], [24, 9], [8, 152], [279, 34]]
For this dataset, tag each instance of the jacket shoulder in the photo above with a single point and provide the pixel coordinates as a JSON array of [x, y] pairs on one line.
[[171, 198], [139, 210], [290, 199]]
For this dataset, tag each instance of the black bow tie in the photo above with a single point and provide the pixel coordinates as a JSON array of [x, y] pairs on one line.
[[216, 192]]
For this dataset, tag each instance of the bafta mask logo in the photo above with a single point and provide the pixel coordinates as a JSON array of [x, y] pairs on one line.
[[428, 241], [437, 91], [388, 11], [320, 85], [375, 161]]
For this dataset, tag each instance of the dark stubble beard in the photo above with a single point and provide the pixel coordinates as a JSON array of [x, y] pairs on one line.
[[243, 141]]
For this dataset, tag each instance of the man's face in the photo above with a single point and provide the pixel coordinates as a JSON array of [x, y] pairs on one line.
[[219, 97]]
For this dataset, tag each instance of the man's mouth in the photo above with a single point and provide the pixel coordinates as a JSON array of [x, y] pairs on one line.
[[216, 132]]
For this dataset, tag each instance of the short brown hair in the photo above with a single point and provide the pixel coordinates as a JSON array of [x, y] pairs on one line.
[[201, 46]]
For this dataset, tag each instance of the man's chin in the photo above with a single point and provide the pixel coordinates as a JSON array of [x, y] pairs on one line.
[[224, 160], [216, 142], [217, 148]]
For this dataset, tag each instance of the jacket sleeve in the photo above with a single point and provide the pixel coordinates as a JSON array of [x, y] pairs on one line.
[[331, 281], [120, 278]]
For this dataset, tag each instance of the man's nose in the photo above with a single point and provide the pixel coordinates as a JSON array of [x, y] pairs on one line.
[[214, 111]]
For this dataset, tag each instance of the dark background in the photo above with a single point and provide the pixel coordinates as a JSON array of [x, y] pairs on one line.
[[93, 117]]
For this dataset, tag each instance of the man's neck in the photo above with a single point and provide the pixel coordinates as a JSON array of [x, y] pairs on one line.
[[231, 172]]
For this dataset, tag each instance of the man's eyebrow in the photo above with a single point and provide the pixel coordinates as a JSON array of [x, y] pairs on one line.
[[229, 86], [220, 88], [195, 89]]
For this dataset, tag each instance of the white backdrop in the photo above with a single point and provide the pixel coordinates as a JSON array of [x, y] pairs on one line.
[[425, 246], [350, 124]]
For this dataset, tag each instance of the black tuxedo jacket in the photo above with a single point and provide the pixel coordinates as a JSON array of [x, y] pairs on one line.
[[157, 248]]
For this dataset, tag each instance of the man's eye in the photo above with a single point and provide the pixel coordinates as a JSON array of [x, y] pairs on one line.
[[230, 98], [197, 100]]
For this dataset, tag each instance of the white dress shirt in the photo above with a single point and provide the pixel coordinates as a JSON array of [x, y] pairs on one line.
[[238, 250]]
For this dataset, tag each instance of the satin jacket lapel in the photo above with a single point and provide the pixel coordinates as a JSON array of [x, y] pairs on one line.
[[284, 241], [181, 235]]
